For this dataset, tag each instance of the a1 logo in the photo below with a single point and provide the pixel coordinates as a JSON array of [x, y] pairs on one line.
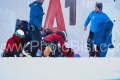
[[55, 11]]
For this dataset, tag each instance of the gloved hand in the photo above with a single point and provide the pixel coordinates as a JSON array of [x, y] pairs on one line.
[[47, 51]]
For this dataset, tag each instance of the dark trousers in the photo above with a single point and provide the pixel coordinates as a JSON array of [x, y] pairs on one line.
[[90, 46], [57, 52], [35, 43], [24, 41]]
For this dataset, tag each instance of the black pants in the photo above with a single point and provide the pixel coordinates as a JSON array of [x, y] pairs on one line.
[[35, 43], [57, 52], [90, 46], [24, 41]]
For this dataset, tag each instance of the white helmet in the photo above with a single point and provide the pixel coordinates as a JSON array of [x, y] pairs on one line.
[[20, 33]]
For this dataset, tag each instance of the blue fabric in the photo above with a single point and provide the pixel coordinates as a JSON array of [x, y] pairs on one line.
[[44, 35], [95, 18], [103, 35], [104, 50], [36, 14], [77, 56]]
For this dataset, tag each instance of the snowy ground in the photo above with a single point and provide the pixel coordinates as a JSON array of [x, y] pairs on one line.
[[59, 69]]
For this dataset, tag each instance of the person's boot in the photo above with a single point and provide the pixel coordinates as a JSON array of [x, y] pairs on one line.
[[97, 53], [92, 54]]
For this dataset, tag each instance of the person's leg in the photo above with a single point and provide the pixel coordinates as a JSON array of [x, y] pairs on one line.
[[24, 41], [90, 46], [34, 52], [57, 52], [35, 43], [98, 51]]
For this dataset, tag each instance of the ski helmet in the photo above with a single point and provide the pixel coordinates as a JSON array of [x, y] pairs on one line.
[[20, 33]]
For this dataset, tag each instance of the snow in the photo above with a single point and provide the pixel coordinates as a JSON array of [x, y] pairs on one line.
[[59, 69]]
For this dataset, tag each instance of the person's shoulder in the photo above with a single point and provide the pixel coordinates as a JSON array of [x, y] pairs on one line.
[[93, 12], [10, 40], [33, 5], [104, 13]]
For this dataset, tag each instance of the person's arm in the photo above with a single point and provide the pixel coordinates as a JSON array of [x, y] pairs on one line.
[[87, 20], [33, 14]]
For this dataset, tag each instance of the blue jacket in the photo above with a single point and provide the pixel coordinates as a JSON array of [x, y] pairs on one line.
[[36, 14], [103, 36], [95, 18], [103, 33]]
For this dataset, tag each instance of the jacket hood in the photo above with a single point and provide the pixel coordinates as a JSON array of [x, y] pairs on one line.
[[35, 3]]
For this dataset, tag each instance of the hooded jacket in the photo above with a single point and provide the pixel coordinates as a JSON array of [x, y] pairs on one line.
[[36, 14]]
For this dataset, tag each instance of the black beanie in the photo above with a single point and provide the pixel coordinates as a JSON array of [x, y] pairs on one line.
[[99, 5]]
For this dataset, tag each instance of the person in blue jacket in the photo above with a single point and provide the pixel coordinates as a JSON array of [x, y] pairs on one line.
[[95, 17], [35, 27]]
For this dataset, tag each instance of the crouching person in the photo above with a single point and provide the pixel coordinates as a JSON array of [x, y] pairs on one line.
[[13, 46], [56, 45], [23, 25]]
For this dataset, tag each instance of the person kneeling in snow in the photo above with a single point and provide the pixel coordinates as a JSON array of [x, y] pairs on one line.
[[53, 49], [23, 25], [13, 46]]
